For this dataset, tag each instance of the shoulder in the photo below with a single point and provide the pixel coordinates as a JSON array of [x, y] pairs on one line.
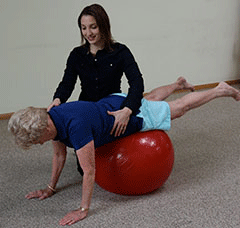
[[73, 108], [79, 50], [77, 53], [119, 46], [121, 49], [75, 113]]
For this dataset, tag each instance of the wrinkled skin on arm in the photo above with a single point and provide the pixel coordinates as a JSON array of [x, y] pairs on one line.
[[86, 157], [58, 161]]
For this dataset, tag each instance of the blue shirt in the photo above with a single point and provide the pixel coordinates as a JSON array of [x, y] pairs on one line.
[[101, 75], [80, 122]]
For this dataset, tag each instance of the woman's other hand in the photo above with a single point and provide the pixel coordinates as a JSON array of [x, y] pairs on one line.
[[121, 121], [56, 102]]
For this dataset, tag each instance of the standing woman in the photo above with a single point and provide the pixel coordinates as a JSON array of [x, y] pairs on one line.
[[100, 63]]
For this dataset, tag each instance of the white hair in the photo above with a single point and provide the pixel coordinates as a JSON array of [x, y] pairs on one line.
[[27, 125]]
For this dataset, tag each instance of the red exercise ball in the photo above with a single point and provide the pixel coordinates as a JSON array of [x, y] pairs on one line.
[[136, 164]]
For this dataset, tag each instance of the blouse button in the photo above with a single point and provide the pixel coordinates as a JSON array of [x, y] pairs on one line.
[[111, 64], [95, 60]]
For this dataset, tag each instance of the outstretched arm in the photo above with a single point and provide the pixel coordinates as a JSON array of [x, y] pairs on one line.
[[59, 158], [86, 157]]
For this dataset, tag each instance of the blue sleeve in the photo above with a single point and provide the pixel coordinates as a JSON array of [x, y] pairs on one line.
[[80, 134]]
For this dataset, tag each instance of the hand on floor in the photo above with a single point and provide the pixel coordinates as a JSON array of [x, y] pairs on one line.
[[73, 217], [40, 194]]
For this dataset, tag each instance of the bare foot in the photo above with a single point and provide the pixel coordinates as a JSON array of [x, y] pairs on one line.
[[229, 90], [184, 84]]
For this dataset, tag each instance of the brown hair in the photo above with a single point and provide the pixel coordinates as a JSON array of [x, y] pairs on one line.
[[103, 22]]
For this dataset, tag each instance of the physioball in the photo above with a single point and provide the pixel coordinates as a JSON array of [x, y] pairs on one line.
[[136, 164]]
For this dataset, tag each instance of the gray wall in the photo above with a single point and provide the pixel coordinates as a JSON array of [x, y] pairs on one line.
[[198, 39]]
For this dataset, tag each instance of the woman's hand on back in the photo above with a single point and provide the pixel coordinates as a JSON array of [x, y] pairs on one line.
[[56, 102], [121, 121]]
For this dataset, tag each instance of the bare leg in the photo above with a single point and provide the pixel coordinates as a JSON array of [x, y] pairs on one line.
[[161, 93], [193, 100]]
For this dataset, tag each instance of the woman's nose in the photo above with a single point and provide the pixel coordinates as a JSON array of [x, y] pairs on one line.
[[89, 32]]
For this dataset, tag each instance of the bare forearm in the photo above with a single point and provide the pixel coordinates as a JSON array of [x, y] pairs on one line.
[[58, 161], [87, 189], [86, 156], [57, 167]]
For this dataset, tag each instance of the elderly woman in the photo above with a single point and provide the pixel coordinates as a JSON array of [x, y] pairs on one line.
[[86, 126]]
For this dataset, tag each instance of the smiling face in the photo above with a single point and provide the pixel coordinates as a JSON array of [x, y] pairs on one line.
[[90, 30]]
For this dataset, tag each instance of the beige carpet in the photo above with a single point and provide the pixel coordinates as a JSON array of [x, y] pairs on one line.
[[202, 191]]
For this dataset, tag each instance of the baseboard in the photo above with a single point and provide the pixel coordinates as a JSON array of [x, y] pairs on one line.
[[5, 116], [212, 85], [197, 87]]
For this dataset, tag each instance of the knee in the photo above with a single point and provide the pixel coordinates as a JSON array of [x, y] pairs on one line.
[[183, 109], [150, 96], [178, 109]]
